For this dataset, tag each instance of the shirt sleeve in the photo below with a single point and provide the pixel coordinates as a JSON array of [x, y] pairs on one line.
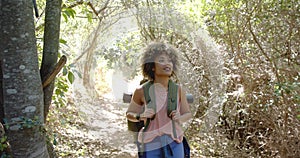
[[135, 108]]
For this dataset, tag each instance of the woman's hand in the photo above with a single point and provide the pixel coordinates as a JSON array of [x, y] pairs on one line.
[[132, 116], [175, 115], [148, 113]]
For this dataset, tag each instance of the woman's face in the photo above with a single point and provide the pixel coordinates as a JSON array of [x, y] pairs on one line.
[[163, 65]]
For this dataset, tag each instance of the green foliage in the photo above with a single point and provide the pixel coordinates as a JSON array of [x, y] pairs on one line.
[[71, 77], [124, 54], [59, 98], [23, 122], [260, 42], [62, 115], [29, 123], [62, 41], [68, 13], [193, 10], [62, 84], [3, 144]]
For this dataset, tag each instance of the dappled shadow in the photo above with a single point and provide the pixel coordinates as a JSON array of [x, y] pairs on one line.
[[105, 122]]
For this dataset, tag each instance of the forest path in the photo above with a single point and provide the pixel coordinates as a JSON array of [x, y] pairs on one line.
[[105, 122]]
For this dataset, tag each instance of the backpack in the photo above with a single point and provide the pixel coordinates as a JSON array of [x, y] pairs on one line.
[[171, 105]]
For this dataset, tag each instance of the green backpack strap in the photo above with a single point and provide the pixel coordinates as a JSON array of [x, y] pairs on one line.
[[172, 96], [172, 102], [146, 87], [150, 103]]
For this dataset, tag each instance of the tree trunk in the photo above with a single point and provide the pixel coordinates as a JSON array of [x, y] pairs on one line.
[[22, 86], [1, 93], [51, 46]]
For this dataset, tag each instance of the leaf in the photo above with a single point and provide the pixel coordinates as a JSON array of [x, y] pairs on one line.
[[65, 71], [3, 139], [90, 17], [62, 41], [71, 77], [65, 17], [54, 141], [68, 12]]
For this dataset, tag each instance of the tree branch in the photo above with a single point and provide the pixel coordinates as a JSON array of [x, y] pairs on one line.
[[49, 78]]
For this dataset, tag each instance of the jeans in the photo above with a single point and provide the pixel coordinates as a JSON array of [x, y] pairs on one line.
[[163, 147]]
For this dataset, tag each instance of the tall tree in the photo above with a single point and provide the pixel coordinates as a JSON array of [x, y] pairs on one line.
[[51, 46], [23, 105]]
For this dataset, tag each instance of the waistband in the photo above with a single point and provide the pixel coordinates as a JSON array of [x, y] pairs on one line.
[[158, 142]]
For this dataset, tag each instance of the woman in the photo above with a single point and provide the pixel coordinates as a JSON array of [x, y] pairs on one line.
[[163, 137]]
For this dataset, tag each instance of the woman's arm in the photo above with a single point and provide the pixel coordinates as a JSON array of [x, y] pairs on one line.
[[135, 106], [135, 112]]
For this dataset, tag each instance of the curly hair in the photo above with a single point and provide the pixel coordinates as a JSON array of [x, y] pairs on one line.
[[151, 52]]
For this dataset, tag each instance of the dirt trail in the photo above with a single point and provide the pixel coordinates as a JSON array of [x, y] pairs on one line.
[[105, 120]]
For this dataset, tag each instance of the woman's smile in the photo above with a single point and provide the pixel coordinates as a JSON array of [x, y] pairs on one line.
[[163, 65]]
